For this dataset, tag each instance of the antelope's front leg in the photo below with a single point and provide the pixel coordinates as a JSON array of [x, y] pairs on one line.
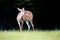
[[20, 26]]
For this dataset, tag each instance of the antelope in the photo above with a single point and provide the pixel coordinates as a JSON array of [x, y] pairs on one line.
[[26, 16]]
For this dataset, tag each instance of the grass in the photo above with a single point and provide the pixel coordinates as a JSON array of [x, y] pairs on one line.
[[30, 35]]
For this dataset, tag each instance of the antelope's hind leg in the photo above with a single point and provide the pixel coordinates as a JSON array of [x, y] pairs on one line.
[[27, 22], [32, 24]]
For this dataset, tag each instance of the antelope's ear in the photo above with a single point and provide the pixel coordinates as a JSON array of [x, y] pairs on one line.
[[23, 9], [19, 9]]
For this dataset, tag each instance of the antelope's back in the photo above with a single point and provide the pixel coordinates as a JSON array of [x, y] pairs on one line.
[[28, 15]]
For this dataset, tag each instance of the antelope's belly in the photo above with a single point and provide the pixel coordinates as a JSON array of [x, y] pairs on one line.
[[24, 18]]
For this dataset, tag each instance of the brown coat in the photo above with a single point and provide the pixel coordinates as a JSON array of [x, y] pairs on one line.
[[28, 16]]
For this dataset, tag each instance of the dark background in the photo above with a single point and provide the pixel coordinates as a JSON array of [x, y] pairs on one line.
[[46, 16]]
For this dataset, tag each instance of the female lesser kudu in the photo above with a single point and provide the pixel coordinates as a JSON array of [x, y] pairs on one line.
[[24, 16]]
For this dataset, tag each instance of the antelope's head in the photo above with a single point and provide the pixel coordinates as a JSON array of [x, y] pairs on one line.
[[22, 11]]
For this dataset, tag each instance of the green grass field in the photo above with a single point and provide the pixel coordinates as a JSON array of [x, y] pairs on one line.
[[30, 35]]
